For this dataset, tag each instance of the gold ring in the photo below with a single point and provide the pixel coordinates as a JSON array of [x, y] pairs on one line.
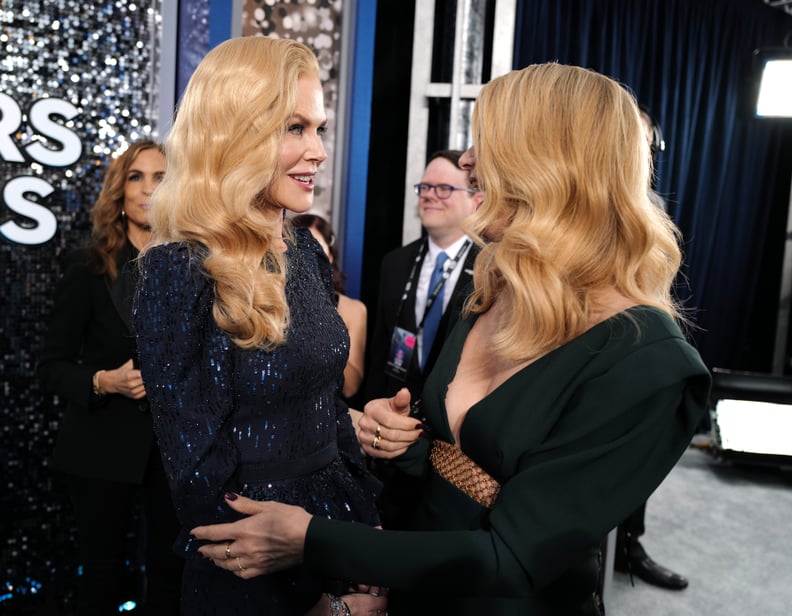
[[228, 549], [377, 432], [376, 442], [239, 564]]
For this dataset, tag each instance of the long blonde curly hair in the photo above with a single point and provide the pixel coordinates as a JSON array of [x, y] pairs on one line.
[[564, 165], [223, 156]]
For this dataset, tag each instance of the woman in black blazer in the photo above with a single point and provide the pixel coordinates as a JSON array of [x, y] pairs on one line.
[[105, 446]]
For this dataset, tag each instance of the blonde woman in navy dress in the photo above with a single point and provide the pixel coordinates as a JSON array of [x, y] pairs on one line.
[[241, 346]]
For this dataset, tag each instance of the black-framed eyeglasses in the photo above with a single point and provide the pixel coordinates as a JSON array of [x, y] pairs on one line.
[[441, 191]]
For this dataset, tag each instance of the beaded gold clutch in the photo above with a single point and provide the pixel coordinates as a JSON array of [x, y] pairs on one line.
[[457, 468]]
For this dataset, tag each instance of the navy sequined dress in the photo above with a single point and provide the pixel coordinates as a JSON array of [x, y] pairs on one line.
[[268, 425]]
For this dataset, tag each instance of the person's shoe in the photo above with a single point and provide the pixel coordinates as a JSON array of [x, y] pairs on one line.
[[652, 573], [635, 561]]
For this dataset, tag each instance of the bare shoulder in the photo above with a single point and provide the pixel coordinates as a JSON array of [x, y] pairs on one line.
[[352, 308]]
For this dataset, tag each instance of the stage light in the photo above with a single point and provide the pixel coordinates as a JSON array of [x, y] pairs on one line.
[[752, 416], [774, 99], [754, 427]]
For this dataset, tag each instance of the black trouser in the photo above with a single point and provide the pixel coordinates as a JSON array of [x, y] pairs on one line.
[[632, 525], [627, 534], [104, 511]]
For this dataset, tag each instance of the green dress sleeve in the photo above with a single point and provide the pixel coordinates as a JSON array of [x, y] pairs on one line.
[[604, 457]]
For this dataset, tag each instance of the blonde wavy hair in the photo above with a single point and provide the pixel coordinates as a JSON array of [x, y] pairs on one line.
[[109, 232], [223, 157], [564, 165]]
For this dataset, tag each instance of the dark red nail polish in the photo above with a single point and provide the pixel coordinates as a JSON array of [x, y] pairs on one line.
[[232, 496]]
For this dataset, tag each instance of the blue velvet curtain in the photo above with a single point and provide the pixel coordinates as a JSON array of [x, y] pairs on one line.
[[726, 175]]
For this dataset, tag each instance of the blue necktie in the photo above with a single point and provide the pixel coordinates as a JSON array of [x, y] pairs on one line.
[[432, 320]]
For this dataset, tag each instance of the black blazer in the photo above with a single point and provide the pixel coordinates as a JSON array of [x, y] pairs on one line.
[[101, 437], [394, 272]]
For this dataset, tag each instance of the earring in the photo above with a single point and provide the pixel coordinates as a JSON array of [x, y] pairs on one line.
[[123, 214]]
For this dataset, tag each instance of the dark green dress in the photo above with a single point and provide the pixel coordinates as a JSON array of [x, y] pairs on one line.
[[577, 440]]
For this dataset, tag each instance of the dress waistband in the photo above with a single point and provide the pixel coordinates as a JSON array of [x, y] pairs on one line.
[[287, 469]]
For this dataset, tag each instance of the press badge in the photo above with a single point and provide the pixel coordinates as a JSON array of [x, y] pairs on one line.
[[400, 355]]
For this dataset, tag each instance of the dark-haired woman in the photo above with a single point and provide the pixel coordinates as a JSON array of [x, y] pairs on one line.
[[105, 447]]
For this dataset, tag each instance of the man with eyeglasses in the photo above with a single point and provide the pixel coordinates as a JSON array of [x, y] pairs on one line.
[[423, 286]]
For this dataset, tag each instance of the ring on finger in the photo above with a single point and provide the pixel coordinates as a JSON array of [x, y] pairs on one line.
[[375, 443], [377, 432], [228, 550], [239, 564]]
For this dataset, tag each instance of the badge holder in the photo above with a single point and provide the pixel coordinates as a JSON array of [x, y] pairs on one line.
[[402, 347]]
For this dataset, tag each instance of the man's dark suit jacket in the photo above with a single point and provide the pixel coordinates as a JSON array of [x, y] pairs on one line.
[[394, 272], [100, 437], [400, 492]]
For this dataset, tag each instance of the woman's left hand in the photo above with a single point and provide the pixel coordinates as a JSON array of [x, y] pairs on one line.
[[270, 539], [386, 429]]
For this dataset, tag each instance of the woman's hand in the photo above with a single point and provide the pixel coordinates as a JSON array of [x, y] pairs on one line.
[[125, 380], [386, 430], [366, 604], [358, 603], [270, 539]]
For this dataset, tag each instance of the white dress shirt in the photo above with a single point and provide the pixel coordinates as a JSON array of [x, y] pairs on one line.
[[422, 291]]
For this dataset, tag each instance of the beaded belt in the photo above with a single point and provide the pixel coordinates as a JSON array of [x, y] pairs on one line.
[[459, 470]]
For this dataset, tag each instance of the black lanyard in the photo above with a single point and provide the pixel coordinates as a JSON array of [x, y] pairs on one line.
[[438, 287]]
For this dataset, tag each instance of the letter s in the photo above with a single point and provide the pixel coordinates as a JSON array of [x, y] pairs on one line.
[[14, 196], [41, 118]]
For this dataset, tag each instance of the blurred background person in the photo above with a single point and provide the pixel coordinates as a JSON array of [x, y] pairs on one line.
[[402, 349], [422, 288], [630, 555], [105, 446], [352, 311]]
